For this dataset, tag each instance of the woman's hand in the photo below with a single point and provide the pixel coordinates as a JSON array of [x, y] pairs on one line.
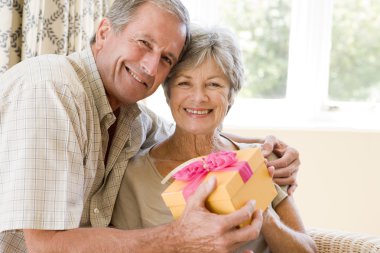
[[270, 170]]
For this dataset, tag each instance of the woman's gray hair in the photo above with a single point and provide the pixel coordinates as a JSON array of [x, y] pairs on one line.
[[214, 43], [122, 12]]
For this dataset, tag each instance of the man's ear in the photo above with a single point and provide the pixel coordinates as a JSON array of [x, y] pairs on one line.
[[103, 31]]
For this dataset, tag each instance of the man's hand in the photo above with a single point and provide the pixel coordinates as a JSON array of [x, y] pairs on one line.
[[199, 230], [286, 166]]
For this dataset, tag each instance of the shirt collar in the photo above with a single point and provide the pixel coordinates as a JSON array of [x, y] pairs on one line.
[[97, 88], [96, 84]]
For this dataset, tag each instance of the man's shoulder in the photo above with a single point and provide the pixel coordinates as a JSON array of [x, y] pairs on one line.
[[57, 68], [41, 70], [46, 67]]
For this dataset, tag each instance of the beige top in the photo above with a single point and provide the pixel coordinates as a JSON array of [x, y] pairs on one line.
[[54, 116], [139, 203]]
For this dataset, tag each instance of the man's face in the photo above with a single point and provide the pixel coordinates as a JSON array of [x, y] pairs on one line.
[[134, 62]]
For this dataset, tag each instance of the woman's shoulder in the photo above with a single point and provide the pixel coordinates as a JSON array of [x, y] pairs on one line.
[[139, 162], [241, 145]]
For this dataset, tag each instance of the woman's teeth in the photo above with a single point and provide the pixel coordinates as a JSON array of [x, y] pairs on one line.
[[199, 112]]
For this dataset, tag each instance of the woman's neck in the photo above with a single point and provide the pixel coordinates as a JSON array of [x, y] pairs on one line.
[[183, 146]]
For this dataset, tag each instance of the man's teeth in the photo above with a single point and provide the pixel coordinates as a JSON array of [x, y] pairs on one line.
[[200, 112], [134, 76]]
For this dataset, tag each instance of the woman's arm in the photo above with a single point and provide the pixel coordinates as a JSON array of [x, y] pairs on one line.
[[286, 233]]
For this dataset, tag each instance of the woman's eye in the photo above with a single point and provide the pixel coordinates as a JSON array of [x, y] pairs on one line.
[[215, 85], [183, 84]]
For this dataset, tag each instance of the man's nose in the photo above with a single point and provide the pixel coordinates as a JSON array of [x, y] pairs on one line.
[[150, 63]]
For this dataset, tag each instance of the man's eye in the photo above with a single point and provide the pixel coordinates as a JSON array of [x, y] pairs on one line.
[[168, 60], [144, 43]]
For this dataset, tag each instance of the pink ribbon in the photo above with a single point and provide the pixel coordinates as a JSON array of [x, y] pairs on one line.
[[195, 172]]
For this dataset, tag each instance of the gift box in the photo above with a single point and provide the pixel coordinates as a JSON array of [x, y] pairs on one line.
[[233, 188]]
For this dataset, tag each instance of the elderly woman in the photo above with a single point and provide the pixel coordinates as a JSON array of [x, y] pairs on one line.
[[200, 90]]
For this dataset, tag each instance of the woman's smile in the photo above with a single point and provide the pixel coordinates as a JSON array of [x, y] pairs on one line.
[[198, 111]]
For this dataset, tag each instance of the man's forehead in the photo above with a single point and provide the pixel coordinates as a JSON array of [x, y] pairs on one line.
[[168, 47]]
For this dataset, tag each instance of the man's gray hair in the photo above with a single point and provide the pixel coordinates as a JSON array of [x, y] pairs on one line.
[[214, 43], [122, 12]]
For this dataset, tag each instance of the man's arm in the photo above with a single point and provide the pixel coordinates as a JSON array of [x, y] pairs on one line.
[[286, 166], [197, 230]]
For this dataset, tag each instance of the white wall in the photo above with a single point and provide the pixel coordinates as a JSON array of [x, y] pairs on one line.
[[339, 179]]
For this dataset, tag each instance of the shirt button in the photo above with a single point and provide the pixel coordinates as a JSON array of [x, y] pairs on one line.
[[96, 210]]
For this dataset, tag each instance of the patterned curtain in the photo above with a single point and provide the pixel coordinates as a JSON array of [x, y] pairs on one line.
[[33, 27]]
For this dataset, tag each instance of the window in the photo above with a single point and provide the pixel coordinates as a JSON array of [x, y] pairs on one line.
[[263, 30], [355, 53], [308, 63]]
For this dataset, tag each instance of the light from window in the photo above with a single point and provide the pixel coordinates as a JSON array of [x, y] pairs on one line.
[[355, 52], [307, 63], [263, 30]]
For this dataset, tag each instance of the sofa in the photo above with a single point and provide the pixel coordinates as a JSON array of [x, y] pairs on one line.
[[334, 241]]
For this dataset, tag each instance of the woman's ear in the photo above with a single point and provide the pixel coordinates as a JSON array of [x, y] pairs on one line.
[[230, 103]]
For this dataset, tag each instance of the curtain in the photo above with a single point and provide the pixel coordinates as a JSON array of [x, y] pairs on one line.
[[33, 27]]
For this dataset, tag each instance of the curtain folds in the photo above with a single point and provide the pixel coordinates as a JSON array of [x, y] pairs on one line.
[[29, 28]]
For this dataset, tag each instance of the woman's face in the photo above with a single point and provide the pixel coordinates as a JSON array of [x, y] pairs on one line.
[[199, 98]]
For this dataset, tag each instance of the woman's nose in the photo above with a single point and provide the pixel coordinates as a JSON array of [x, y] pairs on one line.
[[200, 94]]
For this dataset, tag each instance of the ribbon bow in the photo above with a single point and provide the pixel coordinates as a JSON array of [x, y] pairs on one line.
[[195, 172]]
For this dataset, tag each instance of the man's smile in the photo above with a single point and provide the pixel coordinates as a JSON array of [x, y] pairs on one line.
[[136, 77]]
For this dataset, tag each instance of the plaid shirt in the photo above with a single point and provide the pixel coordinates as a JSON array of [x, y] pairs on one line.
[[54, 120]]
